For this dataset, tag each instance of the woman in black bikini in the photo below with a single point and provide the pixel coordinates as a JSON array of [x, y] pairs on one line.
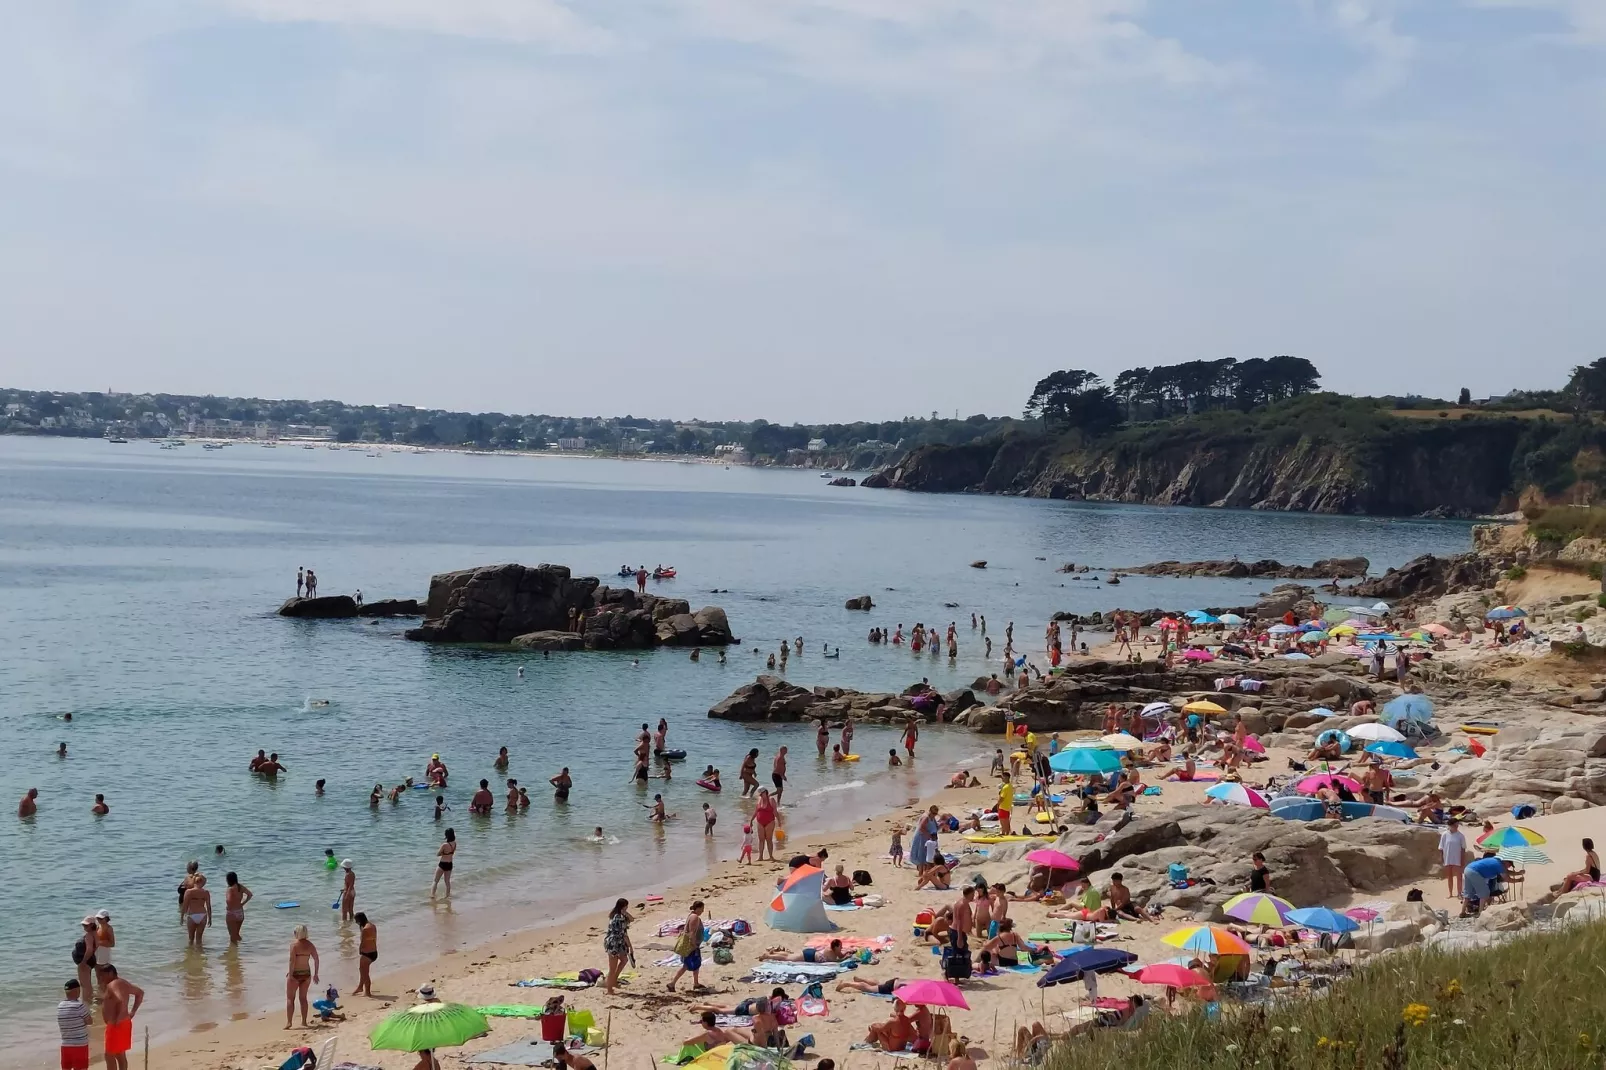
[[561, 785], [839, 889], [1006, 946], [443, 864]]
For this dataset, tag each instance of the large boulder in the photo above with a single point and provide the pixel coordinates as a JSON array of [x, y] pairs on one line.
[[679, 630], [1374, 854], [324, 607], [550, 640], [863, 601], [769, 698], [1385, 935], [1504, 918], [611, 628], [391, 607], [713, 627], [496, 603], [1557, 762]]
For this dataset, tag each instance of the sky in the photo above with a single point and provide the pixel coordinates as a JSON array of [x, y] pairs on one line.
[[801, 210]]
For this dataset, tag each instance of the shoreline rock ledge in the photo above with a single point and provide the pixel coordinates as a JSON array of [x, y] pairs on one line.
[[534, 607]]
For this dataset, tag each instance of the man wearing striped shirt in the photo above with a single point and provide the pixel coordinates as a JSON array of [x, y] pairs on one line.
[[72, 1017]]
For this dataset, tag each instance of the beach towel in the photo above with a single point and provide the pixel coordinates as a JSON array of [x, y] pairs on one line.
[[551, 982], [778, 973], [514, 1010], [740, 1021], [810, 1007], [686, 1054], [531, 1051], [1151, 790], [670, 959], [1198, 778]]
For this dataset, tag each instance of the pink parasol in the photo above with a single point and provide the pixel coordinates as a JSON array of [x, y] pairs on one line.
[[931, 994], [1195, 653], [1362, 914], [1170, 974], [1309, 785], [1044, 856], [1251, 743]]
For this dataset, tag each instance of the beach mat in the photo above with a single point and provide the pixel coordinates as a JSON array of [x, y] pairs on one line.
[[531, 1051]]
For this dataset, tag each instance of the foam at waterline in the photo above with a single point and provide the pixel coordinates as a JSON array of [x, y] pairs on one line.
[[845, 786]]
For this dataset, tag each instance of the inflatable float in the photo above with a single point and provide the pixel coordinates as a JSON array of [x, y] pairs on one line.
[[846, 758], [708, 785], [1478, 729], [976, 837], [671, 755]]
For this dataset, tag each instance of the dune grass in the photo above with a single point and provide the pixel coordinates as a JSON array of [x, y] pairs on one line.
[[1535, 1003]]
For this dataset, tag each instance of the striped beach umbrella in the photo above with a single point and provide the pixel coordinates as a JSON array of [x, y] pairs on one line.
[[1207, 940], [1238, 795], [1258, 908], [1511, 836]]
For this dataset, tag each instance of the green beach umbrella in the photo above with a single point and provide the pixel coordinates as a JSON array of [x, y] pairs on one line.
[[428, 1026], [1524, 856]]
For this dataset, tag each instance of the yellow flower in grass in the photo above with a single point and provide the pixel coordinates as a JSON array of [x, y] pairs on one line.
[[1321, 1042], [1451, 990], [1583, 1040], [1416, 1014]]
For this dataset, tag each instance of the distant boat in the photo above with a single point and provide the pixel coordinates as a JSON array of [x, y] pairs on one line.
[[211, 446], [270, 445], [167, 446], [118, 441]]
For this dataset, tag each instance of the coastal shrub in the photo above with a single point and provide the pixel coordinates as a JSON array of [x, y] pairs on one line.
[[1600, 600], [1595, 570], [1536, 1002], [1562, 524], [1516, 572]]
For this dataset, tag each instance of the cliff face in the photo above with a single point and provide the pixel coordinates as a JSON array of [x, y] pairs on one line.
[[1458, 470]]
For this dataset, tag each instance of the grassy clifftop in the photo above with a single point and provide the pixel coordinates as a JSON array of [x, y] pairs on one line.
[[1319, 453]]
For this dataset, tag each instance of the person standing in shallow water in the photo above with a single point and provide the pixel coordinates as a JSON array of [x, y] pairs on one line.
[[443, 864], [234, 899], [301, 974]]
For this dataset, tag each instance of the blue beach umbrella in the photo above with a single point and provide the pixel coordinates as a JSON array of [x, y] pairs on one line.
[[1090, 960], [1408, 707], [1321, 711], [1323, 920], [1505, 613], [1086, 761], [1294, 657], [1206, 618], [1390, 749]]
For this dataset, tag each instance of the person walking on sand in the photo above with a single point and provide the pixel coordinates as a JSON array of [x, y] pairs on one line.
[[120, 1000], [348, 891], [235, 896], [367, 954], [443, 864], [616, 942], [778, 773], [303, 972], [1452, 852], [764, 817], [690, 948]]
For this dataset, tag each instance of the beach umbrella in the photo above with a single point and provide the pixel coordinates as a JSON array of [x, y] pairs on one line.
[[1309, 785], [1170, 974], [739, 1057], [926, 993], [1238, 795], [1313, 637], [1085, 761], [1363, 914], [1121, 741], [1157, 709], [1525, 856], [1511, 836], [1505, 613], [1296, 656], [1391, 749], [1203, 705], [1196, 653], [1087, 960], [1047, 856], [1207, 940], [1380, 607], [1321, 711], [1253, 744], [1407, 707], [1376, 732], [428, 1026], [1437, 629], [1332, 735], [1333, 616], [1166, 624], [1281, 629], [1231, 619], [1361, 611], [1323, 920], [1258, 908], [1342, 629]]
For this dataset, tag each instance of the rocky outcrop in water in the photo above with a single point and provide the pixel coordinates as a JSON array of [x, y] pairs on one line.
[[1429, 576], [502, 603], [391, 607], [324, 607], [1325, 569], [773, 699]]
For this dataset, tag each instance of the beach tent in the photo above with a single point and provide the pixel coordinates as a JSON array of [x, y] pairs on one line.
[[797, 908], [1407, 707]]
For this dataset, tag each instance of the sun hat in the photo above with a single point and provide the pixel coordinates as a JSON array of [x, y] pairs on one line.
[[103, 915], [345, 863]]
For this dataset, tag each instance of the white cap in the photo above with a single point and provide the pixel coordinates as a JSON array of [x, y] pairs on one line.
[[345, 864], [104, 915]]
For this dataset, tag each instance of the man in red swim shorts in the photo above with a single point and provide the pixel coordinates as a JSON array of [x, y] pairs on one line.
[[119, 1001]]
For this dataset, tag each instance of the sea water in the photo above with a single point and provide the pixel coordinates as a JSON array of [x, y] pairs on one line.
[[138, 589]]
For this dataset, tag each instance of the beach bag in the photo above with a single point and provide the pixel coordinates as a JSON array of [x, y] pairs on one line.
[[862, 876], [956, 964], [1176, 872], [589, 976], [741, 928], [1084, 932], [723, 956], [78, 952], [786, 1012], [686, 944], [721, 938], [1521, 811]]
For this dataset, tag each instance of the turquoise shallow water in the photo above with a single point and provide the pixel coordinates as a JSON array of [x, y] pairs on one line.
[[137, 589]]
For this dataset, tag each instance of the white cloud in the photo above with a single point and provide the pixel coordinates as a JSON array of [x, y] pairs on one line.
[[1369, 27], [1585, 19], [546, 22]]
